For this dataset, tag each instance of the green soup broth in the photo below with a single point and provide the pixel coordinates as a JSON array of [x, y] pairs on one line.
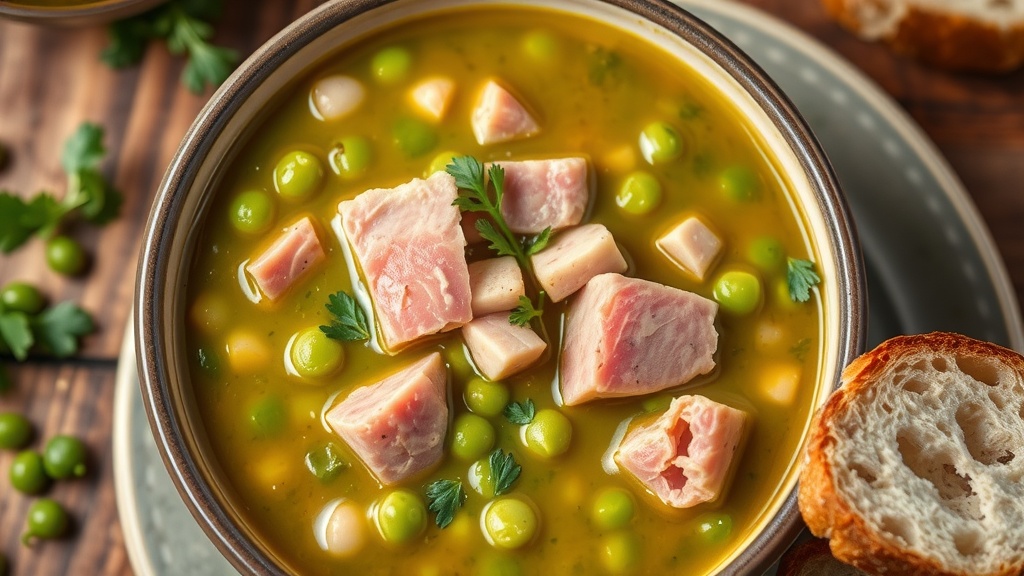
[[594, 90]]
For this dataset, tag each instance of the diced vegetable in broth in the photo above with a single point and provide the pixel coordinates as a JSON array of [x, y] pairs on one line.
[[441, 382]]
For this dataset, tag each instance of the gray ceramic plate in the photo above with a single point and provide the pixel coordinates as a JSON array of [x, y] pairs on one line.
[[931, 262]]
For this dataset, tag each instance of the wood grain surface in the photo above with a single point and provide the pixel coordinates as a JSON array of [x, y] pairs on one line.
[[51, 80]]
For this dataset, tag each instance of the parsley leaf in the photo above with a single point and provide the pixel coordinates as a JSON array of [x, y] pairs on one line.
[[538, 242], [520, 413], [801, 277], [800, 349], [16, 333], [504, 470], [349, 322], [477, 194], [446, 497], [325, 462], [84, 149], [58, 329], [522, 314]]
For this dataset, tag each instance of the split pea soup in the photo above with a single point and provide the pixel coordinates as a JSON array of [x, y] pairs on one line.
[[525, 484]]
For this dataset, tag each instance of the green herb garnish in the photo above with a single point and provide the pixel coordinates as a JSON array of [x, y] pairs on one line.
[[522, 314], [56, 330], [88, 195], [325, 462], [520, 413], [801, 277], [184, 25], [800, 349], [504, 470], [446, 497], [348, 322], [480, 194]]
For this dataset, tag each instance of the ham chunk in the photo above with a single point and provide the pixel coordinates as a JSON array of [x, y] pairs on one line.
[[544, 193], [684, 456], [410, 246], [499, 117], [627, 337], [433, 96], [692, 246], [574, 257], [290, 257], [496, 285], [500, 348], [397, 426]]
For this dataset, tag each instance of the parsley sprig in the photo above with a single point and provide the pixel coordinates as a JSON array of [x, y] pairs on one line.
[[801, 277], [185, 26], [480, 194], [520, 412], [524, 312], [88, 195], [445, 497], [504, 470], [348, 322], [56, 330]]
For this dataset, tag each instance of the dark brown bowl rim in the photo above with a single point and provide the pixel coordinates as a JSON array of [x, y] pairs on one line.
[[151, 310], [96, 12]]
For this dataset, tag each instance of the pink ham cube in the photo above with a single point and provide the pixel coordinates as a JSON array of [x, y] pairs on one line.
[[397, 426], [539, 194], [499, 117], [496, 285], [294, 253], [574, 257], [411, 249], [691, 245], [627, 337], [500, 348], [433, 96], [684, 456]]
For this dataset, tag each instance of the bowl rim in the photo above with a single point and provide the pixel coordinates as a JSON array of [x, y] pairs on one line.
[[95, 12], [150, 308]]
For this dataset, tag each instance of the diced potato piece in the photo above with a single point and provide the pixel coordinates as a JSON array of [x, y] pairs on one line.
[[499, 348], [247, 352], [209, 312], [768, 335], [495, 285], [622, 159], [574, 257], [433, 96], [692, 245], [780, 382]]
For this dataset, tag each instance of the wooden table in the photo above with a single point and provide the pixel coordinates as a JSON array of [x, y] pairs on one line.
[[51, 80]]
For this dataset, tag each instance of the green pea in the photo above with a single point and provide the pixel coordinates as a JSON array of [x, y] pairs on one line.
[[473, 437], [510, 523], [738, 292], [739, 183], [21, 297], [46, 519], [15, 431], [613, 508], [549, 434], [401, 517], [498, 566], [413, 137], [391, 65], [486, 398], [640, 193], [441, 161], [267, 416], [480, 478], [252, 212], [656, 404], [660, 142], [767, 253], [714, 527], [457, 360], [298, 175], [541, 45], [65, 256], [351, 157], [65, 457], [28, 474], [620, 552], [314, 355]]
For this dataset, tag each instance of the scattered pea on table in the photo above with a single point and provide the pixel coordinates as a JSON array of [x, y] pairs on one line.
[[46, 519], [28, 474], [15, 431], [65, 457]]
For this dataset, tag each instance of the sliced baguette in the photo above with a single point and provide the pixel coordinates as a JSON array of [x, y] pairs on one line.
[[979, 35], [916, 464]]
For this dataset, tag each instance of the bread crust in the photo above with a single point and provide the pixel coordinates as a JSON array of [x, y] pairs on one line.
[[943, 39], [826, 511]]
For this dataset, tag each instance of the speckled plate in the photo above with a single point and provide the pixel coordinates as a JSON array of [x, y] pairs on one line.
[[931, 261]]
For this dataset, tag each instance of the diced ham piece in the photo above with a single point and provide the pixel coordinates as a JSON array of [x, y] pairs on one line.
[[411, 248], [433, 96], [397, 425], [499, 117], [691, 245], [544, 193], [684, 456], [337, 96], [627, 337], [574, 257], [291, 255], [496, 285], [500, 348]]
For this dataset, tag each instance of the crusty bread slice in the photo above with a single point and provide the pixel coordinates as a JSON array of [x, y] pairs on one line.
[[980, 35], [916, 464]]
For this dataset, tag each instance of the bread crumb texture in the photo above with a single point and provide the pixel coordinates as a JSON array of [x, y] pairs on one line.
[[974, 35], [916, 464]]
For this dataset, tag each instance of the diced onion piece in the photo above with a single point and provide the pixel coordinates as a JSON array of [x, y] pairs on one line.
[[341, 528], [336, 96], [779, 383], [768, 335]]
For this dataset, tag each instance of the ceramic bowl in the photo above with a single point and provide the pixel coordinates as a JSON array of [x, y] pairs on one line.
[[73, 13], [193, 175]]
